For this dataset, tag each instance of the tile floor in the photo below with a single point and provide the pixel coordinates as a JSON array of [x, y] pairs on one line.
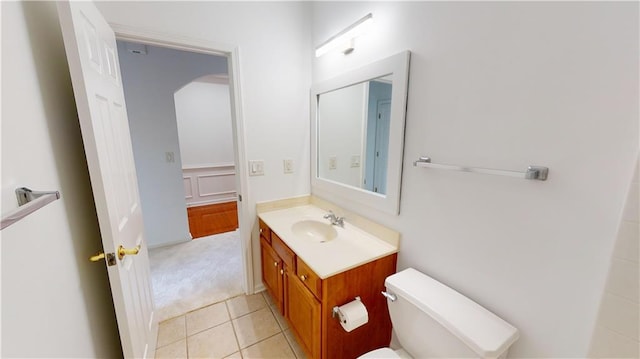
[[240, 327]]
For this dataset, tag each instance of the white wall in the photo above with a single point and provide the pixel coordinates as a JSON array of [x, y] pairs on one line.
[[150, 82], [203, 115], [507, 85], [274, 48], [55, 303], [617, 333]]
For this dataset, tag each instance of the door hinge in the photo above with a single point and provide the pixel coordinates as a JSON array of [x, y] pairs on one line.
[[239, 198]]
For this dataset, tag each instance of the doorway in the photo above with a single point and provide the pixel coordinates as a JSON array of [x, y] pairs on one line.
[[203, 117], [157, 79], [377, 135]]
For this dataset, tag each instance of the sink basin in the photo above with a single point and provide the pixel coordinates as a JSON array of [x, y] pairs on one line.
[[314, 230]]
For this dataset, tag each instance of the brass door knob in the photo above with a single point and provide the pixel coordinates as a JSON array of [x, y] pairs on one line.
[[97, 257], [122, 251], [109, 257]]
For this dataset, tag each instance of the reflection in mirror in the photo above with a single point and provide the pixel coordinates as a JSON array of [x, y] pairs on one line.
[[357, 135], [353, 134]]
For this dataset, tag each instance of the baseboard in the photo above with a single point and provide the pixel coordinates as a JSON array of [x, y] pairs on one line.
[[259, 288]]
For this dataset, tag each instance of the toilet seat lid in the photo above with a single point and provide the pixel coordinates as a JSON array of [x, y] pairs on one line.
[[382, 353]]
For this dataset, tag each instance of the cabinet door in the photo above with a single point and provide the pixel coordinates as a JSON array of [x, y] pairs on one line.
[[303, 312], [272, 273]]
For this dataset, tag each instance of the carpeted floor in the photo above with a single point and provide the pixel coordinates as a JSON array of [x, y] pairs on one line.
[[191, 275]]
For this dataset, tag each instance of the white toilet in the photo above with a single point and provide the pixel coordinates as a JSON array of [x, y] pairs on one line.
[[431, 320]]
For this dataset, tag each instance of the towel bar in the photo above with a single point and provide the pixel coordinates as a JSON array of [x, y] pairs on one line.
[[532, 173], [29, 201]]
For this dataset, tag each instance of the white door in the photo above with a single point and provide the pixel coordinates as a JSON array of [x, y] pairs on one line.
[[95, 73], [382, 146]]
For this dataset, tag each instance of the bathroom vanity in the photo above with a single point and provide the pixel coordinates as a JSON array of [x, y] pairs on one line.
[[310, 266]]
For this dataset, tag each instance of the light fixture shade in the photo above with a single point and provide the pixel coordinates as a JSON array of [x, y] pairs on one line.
[[345, 36]]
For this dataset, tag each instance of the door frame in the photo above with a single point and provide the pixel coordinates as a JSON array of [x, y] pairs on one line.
[[231, 52]]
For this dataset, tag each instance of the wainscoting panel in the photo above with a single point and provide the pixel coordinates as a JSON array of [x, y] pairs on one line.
[[210, 193], [209, 184], [216, 184], [188, 187]]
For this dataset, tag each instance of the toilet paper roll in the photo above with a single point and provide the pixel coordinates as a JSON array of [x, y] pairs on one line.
[[353, 315]]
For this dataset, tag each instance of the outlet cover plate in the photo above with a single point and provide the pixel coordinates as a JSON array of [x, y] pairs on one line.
[[288, 166], [333, 162]]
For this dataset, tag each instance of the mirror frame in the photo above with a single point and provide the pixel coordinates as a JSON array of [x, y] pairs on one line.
[[350, 197]]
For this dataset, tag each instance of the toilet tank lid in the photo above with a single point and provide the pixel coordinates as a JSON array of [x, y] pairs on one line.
[[482, 331]]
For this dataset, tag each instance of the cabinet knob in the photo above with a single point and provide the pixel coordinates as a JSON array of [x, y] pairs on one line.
[[260, 230], [281, 271], [303, 277], [275, 264]]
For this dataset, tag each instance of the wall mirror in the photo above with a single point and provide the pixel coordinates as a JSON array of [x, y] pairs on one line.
[[357, 135]]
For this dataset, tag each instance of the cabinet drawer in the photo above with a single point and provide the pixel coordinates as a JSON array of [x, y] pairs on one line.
[[265, 231], [286, 254], [309, 278]]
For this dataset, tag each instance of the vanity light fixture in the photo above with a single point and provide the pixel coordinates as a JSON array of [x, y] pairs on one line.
[[345, 37]]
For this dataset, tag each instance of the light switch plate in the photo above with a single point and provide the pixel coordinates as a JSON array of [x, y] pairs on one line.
[[256, 168], [288, 166]]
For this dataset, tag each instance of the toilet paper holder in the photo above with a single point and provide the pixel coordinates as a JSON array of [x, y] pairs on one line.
[[336, 310]]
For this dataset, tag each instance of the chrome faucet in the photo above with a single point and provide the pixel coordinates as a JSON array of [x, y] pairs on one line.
[[335, 220]]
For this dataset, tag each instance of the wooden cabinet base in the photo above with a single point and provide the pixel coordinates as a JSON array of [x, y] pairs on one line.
[[307, 301], [212, 219], [302, 310], [367, 282]]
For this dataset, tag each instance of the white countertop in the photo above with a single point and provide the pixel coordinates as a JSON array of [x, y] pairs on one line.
[[352, 246]]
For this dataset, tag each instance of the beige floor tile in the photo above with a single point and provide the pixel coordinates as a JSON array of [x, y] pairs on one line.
[[297, 349], [268, 299], [171, 331], [234, 356], [245, 304], [255, 327], [274, 347], [216, 342], [281, 321], [173, 351], [207, 317]]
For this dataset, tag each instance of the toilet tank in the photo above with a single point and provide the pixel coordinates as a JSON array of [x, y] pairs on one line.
[[432, 320]]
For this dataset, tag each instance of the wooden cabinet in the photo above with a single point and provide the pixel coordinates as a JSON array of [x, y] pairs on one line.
[[303, 311], [307, 301], [309, 278], [265, 231], [209, 219], [272, 270]]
